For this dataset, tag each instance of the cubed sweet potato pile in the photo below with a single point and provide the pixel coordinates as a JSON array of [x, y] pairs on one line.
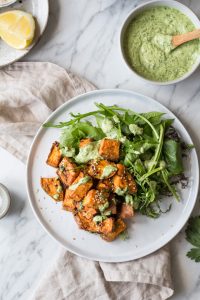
[[93, 198]]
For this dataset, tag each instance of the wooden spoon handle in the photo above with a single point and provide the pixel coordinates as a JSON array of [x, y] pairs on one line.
[[186, 37]]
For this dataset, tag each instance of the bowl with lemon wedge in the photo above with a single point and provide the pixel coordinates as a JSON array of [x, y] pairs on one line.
[[21, 26], [4, 3]]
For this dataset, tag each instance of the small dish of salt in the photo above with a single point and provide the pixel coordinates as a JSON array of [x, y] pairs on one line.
[[4, 200]]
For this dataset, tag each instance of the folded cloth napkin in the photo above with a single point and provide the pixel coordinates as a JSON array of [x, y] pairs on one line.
[[29, 92]]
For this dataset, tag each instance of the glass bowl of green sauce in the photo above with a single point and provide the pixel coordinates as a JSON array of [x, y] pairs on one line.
[[144, 42]]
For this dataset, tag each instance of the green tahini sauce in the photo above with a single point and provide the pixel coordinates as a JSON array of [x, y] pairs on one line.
[[147, 48], [107, 171], [87, 153], [83, 180]]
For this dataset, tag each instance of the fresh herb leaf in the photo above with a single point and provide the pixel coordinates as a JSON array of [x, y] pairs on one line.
[[165, 175], [173, 158], [193, 231], [158, 151], [99, 219], [71, 135], [194, 254], [193, 237], [154, 117]]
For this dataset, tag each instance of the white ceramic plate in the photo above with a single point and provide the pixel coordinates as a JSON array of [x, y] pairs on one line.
[[146, 235], [40, 10]]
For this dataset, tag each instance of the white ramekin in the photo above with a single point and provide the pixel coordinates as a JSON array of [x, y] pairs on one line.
[[170, 3], [5, 200]]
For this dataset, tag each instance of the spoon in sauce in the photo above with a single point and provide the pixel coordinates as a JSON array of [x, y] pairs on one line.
[[167, 43], [180, 39]]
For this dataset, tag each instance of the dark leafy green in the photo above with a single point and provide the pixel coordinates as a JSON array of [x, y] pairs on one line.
[[72, 134], [193, 237], [172, 155]]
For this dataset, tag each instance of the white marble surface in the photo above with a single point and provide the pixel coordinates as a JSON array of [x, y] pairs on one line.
[[83, 36]]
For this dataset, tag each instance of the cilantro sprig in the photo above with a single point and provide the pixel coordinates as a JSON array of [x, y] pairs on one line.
[[193, 237]]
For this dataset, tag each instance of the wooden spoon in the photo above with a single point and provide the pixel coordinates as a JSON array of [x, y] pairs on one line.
[[180, 39]]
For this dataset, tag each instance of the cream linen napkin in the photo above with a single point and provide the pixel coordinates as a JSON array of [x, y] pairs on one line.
[[29, 92]]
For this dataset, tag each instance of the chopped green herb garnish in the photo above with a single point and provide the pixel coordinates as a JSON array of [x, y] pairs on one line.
[[103, 207], [124, 235], [98, 219]]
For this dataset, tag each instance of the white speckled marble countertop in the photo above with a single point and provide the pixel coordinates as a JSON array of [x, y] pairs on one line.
[[83, 36]]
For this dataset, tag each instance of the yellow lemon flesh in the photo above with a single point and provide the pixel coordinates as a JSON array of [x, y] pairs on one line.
[[17, 28]]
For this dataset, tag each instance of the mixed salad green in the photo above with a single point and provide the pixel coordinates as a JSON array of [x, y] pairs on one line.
[[150, 148]]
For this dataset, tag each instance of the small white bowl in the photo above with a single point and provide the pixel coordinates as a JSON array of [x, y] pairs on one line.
[[170, 3], [7, 3], [4, 200]]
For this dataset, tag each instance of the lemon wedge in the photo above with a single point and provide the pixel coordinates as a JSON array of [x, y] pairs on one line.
[[17, 28]]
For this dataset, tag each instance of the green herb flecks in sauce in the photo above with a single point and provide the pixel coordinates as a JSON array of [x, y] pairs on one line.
[[107, 171], [120, 192], [147, 50], [88, 152], [83, 180]]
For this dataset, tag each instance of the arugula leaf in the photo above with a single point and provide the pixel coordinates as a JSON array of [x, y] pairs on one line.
[[165, 175], [193, 237], [172, 154], [150, 212], [154, 117], [167, 123], [90, 130], [158, 151], [71, 135], [139, 167]]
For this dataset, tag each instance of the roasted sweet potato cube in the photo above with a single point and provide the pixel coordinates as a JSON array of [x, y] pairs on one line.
[[101, 169], [112, 207], [85, 142], [84, 223], [67, 171], [54, 156], [123, 181], [89, 199], [69, 204], [132, 186], [120, 184], [109, 149], [126, 211], [105, 184], [121, 170], [107, 226], [104, 227], [120, 226], [79, 188], [95, 198], [53, 187], [89, 212]]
